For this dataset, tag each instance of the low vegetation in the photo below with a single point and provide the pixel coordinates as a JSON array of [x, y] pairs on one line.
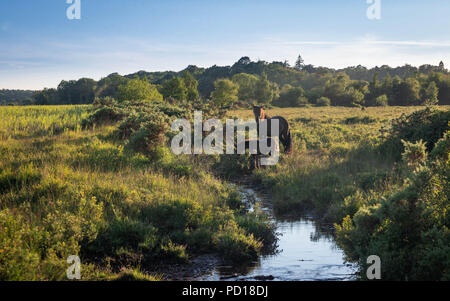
[[100, 182], [81, 181], [382, 175]]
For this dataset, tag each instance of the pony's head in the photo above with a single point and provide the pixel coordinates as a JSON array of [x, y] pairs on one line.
[[259, 113]]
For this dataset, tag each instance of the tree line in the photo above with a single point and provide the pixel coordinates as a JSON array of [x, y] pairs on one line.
[[11, 97], [277, 83]]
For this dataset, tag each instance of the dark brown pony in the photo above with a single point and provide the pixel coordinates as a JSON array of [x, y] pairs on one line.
[[284, 130]]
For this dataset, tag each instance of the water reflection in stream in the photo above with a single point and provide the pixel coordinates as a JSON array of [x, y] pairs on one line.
[[306, 253]]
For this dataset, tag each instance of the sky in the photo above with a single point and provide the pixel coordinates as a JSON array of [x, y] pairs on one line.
[[40, 46]]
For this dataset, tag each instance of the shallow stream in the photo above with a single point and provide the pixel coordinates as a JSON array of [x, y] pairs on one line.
[[306, 252]]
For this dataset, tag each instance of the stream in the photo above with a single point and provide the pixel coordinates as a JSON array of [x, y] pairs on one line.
[[306, 252]]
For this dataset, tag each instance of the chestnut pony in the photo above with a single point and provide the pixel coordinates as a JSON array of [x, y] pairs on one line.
[[284, 128]]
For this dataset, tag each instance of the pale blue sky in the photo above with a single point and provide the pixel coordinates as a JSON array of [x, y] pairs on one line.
[[39, 46]]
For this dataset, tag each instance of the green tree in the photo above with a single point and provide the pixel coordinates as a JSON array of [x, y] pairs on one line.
[[335, 89], [225, 92], [406, 93], [109, 85], [430, 94], [46, 97], [191, 85], [381, 101], [138, 89], [291, 97], [323, 102], [175, 88], [300, 63], [247, 84], [265, 91], [353, 97]]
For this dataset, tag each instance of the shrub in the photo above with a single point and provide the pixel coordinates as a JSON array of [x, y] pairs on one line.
[[131, 124], [104, 102], [174, 252], [362, 120], [126, 233], [428, 124], [442, 148], [232, 166], [409, 229], [381, 101], [415, 154], [150, 138], [237, 247], [259, 225], [104, 115], [323, 102]]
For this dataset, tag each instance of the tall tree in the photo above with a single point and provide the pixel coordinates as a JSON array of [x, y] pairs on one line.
[[247, 84], [291, 97], [191, 85], [138, 89], [265, 91], [430, 94], [300, 63], [225, 92], [175, 88]]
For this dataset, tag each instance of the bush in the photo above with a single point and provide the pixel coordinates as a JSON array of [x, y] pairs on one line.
[[131, 124], [103, 116], [323, 102], [133, 275], [149, 140], [259, 225], [409, 229], [442, 148], [362, 120], [415, 154], [381, 101], [104, 102], [428, 125], [237, 247], [232, 166]]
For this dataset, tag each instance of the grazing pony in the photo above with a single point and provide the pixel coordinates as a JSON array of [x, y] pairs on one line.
[[284, 129]]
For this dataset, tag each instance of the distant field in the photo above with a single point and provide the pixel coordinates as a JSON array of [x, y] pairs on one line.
[[16, 121], [335, 113]]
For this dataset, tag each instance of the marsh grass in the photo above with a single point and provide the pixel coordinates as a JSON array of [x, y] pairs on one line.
[[370, 173], [72, 190]]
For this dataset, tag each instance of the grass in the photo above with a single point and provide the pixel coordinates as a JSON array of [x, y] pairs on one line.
[[386, 196], [65, 190], [334, 155]]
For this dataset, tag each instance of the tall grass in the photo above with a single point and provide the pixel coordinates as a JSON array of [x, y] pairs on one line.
[[65, 190]]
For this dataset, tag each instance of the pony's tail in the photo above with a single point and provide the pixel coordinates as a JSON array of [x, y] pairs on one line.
[[288, 145]]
